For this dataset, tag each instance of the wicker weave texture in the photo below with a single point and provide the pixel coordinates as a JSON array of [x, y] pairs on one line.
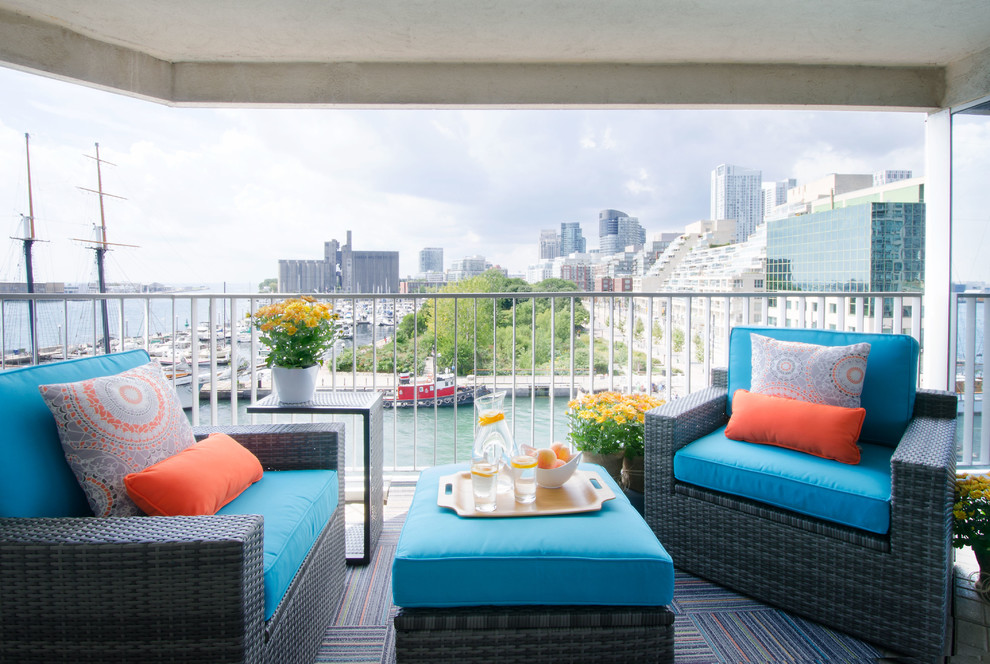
[[535, 634], [130, 588], [375, 505], [170, 589], [891, 590]]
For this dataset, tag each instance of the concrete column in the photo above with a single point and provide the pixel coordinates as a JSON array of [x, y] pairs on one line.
[[936, 363]]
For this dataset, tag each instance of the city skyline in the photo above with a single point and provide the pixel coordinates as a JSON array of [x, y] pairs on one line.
[[221, 194]]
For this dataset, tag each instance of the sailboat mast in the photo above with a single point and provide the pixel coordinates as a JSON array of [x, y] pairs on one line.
[[99, 186], [101, 250], [101, 245], [28, 241], [27, 150]]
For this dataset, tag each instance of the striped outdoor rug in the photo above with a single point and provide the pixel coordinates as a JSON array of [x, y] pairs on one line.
[[712, 624]]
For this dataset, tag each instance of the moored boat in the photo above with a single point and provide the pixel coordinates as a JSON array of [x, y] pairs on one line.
[[427, 391]]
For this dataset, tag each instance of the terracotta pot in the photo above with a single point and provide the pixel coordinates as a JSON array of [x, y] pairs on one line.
[[612, 463], [632, 473], [295, 385]]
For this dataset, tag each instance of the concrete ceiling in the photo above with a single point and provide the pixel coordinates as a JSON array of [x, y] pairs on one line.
[[517, 53]]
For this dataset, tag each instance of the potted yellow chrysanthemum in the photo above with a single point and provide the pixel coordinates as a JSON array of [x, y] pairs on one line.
[[609, 427], [971, 519], [298, 333]]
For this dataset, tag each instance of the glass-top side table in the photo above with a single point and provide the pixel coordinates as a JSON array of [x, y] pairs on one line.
[[369, 406]]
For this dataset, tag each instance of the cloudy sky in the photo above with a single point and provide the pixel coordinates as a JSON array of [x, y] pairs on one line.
[[221, 195]]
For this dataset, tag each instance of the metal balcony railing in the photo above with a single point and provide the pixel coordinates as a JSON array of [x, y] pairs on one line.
[[665, 343]]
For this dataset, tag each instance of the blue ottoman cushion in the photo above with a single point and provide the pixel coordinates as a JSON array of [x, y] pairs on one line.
[[607, 557], [296, 505]]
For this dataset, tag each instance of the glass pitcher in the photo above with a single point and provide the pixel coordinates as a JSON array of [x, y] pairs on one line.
[[493, 441]]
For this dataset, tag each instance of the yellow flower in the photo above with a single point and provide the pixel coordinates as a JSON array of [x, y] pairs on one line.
[[610, 421], [281, 324]]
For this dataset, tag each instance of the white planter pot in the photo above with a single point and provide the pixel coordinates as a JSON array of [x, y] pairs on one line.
[[295, 385]]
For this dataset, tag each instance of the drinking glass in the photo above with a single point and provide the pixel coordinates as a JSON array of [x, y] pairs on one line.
[[484, 485], [524, 474]]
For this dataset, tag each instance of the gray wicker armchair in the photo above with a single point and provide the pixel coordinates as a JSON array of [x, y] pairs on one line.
[[891, 589], [177, 589]]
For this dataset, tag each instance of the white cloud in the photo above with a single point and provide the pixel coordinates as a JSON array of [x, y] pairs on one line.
[[220, 195]]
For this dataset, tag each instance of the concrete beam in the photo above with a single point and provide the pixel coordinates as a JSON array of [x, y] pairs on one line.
[[523, 85], [44, 48], [967, 80]]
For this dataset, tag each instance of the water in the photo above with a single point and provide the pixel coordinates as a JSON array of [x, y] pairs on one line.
[[75, 322], [427, 436]]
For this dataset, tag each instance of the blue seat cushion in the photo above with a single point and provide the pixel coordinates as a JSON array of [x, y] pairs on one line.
[[606, 557], [35, 480], [296, 505], [888, 388], [852, 495]]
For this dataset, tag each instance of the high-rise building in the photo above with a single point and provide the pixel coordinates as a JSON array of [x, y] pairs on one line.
[[331, 254], [368, 271], [617, 230], [886, 177], [737, 193], [579, 268], [652, 250], [372, 272], [859, 248], [431, 260], [774, 194], [341, 270], [302, 276], [469, 266], [571, 239], [809, 196], [539, 271], [549, 244]]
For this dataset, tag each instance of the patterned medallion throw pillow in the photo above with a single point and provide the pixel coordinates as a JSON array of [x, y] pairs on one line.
[[831, 375], [115, 425]]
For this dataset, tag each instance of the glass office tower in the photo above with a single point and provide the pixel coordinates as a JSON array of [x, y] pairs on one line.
[[871, 247]]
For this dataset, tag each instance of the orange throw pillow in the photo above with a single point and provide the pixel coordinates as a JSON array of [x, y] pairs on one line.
[[198, 480], [826, 431]]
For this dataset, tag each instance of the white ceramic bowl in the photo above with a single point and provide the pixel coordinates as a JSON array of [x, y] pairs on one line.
[[554, 478]]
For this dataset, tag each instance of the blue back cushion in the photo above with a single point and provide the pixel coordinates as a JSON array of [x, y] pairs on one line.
[[888, 389], [35, 480]]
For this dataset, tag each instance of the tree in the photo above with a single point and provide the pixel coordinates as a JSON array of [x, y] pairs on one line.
[[499, 284], [657, 332], [268, 286], [555, 285], [466, 360], [419, 319], [699, 348], [678, 340]]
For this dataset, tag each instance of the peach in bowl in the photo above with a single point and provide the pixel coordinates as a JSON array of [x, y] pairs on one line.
[[554, 477]]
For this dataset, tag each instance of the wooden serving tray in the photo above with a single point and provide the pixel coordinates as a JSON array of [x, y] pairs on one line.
[[583, 492]]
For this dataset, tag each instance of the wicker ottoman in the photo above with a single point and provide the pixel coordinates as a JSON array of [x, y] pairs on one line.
[[583, 587]]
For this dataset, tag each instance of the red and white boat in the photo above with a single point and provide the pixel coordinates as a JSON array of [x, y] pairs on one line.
[[426, 391]]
